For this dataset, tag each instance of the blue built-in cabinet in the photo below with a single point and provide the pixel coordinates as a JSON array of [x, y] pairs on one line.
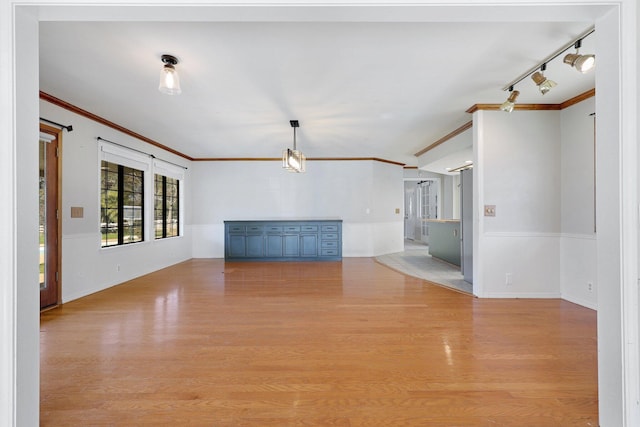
[[283, 240]]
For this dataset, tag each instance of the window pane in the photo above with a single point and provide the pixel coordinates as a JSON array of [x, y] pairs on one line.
[[122, 201], [157, 207], [166, 209]]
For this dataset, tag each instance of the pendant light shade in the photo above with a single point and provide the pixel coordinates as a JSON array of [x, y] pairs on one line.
[[169, 79]]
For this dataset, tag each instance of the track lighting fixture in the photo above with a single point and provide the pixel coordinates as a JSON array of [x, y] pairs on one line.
[[169, 80], [582, 63], [544, 84], [294, 160], [510, 103]]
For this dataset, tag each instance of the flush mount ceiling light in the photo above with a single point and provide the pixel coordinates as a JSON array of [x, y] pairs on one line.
[[510, 103], [169, 80], [544, 84], [294, 160], [582, 63]]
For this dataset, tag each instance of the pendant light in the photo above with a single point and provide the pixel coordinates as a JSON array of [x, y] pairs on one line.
[[169, 80], [293, 160]]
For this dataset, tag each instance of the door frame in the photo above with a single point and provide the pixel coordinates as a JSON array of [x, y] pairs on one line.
[[57, 133]]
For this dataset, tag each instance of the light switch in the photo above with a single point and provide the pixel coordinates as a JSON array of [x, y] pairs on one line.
[[489, 210], [397, 210], [77, 212]]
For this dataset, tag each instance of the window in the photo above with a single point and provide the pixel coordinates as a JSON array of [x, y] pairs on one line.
[[121, 204], [166, 207], [140, 196]]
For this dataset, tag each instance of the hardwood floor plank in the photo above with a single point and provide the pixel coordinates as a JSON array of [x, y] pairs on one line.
[[349, 343]]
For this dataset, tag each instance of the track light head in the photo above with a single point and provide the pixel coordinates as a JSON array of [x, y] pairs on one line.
[[582, 63], [543, 83], [510, 103]]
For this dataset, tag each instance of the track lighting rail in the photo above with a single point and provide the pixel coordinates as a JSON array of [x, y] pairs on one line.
[[551, 57]]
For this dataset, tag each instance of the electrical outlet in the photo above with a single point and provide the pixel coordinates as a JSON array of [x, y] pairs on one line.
[[117, 267], [508, 279], [590, 286]]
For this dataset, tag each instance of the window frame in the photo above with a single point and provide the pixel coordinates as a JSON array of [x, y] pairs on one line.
[[164, 208], [122, 228], [170, 170], [150, 166], [124, 157]]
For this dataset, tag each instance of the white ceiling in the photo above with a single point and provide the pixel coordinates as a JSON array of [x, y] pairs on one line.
[[379, 88]]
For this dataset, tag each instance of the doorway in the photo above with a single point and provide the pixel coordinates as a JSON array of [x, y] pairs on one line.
[[49, 224], [421, 199]]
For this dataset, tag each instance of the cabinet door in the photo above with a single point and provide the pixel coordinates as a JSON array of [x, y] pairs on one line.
[[255, 245], [274, 245], [309, 245], [237, 245], [291, 245]]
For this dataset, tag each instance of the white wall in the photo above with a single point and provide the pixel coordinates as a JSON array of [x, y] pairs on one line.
[[578, 272], [364, 194], [86, 267], [517, 169]]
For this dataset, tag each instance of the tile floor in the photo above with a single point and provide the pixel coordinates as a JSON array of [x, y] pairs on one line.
[[416, 261]]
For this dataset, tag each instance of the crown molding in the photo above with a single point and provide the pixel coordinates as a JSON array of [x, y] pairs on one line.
[[309, 159], [536, 107], [521, 107], [84, 113], [445, 138]]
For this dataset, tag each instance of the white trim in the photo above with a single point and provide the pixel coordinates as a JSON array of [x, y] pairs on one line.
[[521, 234], [579, 236], [518, 295], [580, 301]]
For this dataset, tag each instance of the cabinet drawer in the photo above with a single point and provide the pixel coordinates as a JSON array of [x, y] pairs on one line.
[[236, 228], [330, 244], [329, 252], [329, 236], [254, 229], [292, 228], [329, 228], [309, 228], [274, 229]]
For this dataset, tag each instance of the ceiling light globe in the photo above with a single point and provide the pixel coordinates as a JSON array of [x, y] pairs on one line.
[[169, 81]]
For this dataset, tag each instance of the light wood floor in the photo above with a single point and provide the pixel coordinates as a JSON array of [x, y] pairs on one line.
[[349, 343]]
